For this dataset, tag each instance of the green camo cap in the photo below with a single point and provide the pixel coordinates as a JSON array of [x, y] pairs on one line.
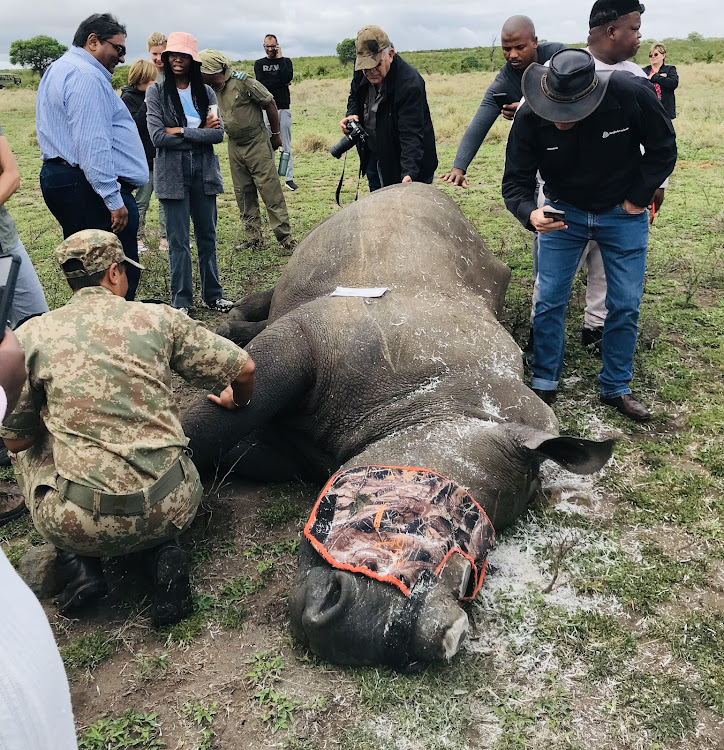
[[97, 250], [213, 61]]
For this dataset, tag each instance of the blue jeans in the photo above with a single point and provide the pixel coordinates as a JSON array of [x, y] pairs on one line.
[[76, 206], [29, 299], [201, 208], [622, 239]]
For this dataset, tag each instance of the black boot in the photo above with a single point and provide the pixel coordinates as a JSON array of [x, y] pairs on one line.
[[171, 586], [84, 581]]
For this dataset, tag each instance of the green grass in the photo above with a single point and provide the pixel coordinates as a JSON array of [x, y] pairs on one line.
[[87, 652], [132, 730]]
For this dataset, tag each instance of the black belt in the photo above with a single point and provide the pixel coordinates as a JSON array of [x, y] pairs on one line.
[[133, 504], [126, 187]]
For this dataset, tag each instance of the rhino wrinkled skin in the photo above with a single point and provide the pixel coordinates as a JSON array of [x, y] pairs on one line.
[[423, 376]]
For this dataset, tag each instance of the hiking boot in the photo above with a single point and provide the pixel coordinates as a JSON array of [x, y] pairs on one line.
[[219, 305], [12, 505], [591, 339], [84, 581], [172, 599]]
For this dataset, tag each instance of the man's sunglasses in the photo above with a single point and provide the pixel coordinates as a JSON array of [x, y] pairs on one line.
[[120, 49]]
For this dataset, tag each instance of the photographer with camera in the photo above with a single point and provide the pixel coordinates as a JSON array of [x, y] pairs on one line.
[[388, 102]]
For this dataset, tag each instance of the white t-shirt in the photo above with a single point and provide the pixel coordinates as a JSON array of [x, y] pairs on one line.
[[35, 710], [193, 119]]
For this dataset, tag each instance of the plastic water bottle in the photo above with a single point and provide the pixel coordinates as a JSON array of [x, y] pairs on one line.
[[283, 163]]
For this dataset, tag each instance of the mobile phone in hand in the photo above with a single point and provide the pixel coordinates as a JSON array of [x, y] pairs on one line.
[[9, 269], [554, 213], [502, 98]]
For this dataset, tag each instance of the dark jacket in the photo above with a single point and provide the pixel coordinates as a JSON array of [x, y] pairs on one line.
[[598, 163], [168, 176], [667, 84], [404, 135], [135, 100]]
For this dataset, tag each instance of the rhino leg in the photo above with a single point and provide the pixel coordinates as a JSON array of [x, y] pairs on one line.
[[248, 318]]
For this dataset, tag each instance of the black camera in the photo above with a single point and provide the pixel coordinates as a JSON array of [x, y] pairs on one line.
[[355, 135]]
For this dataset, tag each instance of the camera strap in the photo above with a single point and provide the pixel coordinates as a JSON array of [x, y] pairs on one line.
[[341, 180]]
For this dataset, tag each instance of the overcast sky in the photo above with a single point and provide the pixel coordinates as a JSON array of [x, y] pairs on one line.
[[314, 27]]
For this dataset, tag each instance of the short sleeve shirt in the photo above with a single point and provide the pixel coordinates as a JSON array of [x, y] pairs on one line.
[[241, 101], [8, 233], [99, 376]]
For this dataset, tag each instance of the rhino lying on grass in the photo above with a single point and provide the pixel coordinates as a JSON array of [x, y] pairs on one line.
[[416, 397]]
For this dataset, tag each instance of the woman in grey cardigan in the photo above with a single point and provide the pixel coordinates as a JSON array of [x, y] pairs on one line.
[[183, 123]]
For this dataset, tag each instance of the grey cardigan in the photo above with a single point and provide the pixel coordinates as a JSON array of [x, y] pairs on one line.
[[168, 178]]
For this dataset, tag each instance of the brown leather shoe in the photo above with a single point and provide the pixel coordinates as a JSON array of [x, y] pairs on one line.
[[548, 397], [12, 505], [629, 407]]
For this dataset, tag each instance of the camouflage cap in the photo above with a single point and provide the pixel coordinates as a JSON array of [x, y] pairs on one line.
[[96, 249], [213, 61], [371, 40]]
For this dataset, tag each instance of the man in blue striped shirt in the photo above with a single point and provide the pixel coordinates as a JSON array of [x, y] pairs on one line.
[[92, 154]]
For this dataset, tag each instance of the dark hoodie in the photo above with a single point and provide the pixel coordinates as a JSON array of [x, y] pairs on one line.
[[135, 100]]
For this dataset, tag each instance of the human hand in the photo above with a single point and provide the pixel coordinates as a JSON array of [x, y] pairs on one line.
[[212, 122], [508, 110], [662, 75], [174, 131], [456, 177], [343, 122], [629, 208], [543, 224], [276, 141], [119, 219], [225, 399]]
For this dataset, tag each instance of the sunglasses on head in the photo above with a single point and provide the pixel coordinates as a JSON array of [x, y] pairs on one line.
[[120, 49]]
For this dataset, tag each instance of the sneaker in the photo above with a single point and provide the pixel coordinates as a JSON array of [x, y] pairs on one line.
[[183, 310], [163, 244], [219, 305], [142, 248], [292, 185]]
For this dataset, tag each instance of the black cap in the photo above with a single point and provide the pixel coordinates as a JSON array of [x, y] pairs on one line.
[[605, 11]]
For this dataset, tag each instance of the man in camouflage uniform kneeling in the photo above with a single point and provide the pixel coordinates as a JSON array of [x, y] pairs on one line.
[[96, 439], [251, 152]]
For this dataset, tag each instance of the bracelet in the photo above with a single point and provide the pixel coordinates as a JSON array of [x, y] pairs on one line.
[[239, 406], [279, 133]]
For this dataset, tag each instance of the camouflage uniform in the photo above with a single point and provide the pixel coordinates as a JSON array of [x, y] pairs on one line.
[[251, 158], [99, 378]]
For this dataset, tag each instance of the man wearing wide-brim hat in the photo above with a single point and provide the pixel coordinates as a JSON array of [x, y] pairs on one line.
[[583, 130], [387, 97], [96, 438]]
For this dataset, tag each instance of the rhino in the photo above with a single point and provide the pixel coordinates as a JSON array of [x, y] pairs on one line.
[[422, 376]]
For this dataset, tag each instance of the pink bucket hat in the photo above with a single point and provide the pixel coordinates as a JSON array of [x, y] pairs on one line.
[[180, 41]]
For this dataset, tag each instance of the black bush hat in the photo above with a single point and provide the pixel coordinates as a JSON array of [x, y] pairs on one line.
[[567, 91], [605, 11]]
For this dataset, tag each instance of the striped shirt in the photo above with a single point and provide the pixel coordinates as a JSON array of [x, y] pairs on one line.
[[80, 118]]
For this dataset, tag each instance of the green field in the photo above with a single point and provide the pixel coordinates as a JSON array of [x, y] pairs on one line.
[[626, 649]]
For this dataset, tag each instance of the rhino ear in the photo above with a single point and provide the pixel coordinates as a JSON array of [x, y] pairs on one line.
[[573, 453]]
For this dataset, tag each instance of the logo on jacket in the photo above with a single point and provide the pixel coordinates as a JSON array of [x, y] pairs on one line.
[[613, 132]]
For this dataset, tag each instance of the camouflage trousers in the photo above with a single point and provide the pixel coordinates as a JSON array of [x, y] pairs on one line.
[[75, 529]]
